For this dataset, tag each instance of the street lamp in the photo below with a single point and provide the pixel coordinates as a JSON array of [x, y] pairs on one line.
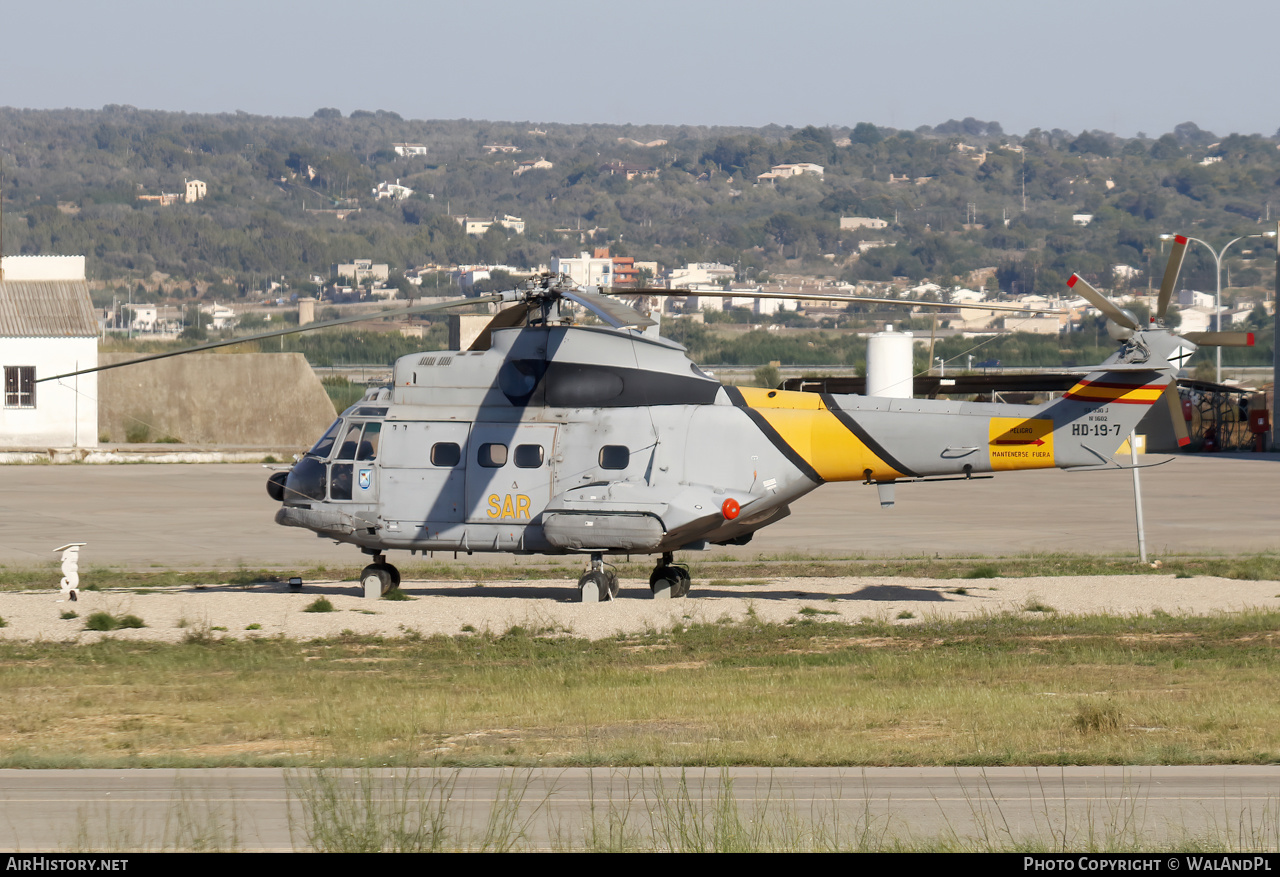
[[1217, 302]]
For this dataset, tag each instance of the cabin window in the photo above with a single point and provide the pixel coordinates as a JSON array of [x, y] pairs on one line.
[[493, 455], [614, 457], [19, 386], [340, 481], [325, 445], [445, 455], [350, 442], [528, 456], [368, 449]]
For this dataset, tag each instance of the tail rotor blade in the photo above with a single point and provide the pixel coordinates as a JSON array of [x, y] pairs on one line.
[[1179, 420], [1220, 339], [1101, 302], [1170, 280]]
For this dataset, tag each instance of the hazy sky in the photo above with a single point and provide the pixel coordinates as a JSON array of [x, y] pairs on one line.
[[1118, 65]]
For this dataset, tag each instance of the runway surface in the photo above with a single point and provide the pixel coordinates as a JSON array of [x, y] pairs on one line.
[[1068, 808], [217, 515]]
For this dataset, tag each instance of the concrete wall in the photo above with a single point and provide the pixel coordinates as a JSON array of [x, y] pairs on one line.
[[65, 414], [269, 400]]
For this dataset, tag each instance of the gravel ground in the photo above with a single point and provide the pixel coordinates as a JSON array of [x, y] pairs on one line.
[[451, 607]]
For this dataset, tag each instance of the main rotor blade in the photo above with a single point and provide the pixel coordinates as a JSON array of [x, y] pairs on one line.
[[227, 342], [1220, 339], [1174, 401], [843, 299], [1101, 302], [615, 313], [1170, 280]]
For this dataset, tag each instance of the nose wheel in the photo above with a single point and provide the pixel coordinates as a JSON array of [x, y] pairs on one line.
[[379, 577], [669, 581], [597, 584]]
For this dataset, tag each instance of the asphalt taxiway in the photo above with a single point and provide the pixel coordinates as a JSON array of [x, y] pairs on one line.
[[219, 515]]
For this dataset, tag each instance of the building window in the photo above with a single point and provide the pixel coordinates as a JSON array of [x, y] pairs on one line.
[[19, 386]]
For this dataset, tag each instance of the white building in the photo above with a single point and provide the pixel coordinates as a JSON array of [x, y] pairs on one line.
[[223, 316], [1188, 298], [195, 190], [537, 164], [479, 227], [359, 270], [852, 222], [783, 171], [47, 327], [586, 270], [700, 272], [407, 149], [394, 191]]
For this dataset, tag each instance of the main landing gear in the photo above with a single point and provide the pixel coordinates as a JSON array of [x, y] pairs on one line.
[[668, 580], [379, 577], [597, 584]]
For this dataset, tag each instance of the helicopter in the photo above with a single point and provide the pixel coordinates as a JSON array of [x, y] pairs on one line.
[[552, 436]]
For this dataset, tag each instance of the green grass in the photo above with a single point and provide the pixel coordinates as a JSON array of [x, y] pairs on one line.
[[104, 621], [320, 604], [987, 690]]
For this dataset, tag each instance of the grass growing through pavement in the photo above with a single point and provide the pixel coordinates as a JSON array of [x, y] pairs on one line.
[[1011, 689]]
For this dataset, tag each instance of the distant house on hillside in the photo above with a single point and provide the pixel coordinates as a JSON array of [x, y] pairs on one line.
[[630, 171], [407, 149], [537, 164], [783, 171], [394, 191]]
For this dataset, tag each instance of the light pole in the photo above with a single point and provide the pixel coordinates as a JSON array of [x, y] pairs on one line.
[[1217, 301]]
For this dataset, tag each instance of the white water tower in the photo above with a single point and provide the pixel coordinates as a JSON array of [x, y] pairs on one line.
[[889, 364]]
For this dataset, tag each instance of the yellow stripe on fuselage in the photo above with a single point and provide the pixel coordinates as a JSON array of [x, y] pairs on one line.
[[817, 435]]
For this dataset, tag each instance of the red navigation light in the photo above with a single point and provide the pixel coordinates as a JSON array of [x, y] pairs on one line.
[[730, 509]]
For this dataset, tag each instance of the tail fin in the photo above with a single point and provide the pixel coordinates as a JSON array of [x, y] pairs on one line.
[[1093, 418]]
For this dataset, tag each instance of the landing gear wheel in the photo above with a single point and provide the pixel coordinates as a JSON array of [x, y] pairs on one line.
[[611, 578], [376, 579], [593, 587], [683, 582], [395, 575], [669, 581]]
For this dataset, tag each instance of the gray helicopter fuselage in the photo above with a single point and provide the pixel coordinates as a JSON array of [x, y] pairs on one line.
[[562, 438]]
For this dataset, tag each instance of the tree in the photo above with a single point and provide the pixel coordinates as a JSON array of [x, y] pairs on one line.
[[866, 134]]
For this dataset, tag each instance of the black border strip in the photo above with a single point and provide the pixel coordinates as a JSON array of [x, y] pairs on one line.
[[862, 435], [735, 396]]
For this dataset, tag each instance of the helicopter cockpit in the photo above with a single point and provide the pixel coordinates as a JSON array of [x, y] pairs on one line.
[[328, 470]]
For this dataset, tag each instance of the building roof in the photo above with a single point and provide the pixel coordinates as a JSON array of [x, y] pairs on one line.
[[46, 309]]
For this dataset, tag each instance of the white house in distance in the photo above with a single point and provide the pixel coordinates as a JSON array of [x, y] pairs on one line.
[[394, 191], [783, 171], [849, 223], [195, 190], [587, 269], [408, 149], [47, 327]]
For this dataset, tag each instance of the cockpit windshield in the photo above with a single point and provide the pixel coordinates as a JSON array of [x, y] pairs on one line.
[[325, 445]]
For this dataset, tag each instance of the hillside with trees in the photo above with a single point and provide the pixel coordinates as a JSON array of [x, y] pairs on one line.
[[288, 197]]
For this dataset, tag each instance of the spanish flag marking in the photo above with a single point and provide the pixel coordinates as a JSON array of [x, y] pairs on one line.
[[1105, 391]]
